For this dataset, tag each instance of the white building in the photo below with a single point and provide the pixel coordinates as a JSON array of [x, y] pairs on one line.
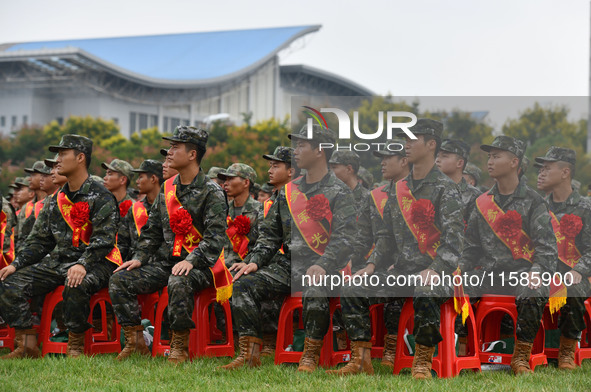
[[162, 80]]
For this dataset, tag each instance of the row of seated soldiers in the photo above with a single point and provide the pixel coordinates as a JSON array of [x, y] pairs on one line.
[[428, 219]]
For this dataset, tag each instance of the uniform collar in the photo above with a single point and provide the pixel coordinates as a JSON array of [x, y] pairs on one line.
[[431, 177], [84, 189], [197, 182]]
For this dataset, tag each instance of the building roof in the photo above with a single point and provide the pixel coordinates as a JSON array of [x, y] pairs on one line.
[[191, 59]]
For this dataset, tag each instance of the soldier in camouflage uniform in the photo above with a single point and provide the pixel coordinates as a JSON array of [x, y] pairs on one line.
[[365, 178], [213, 172], [81, 264], [397, 245], [265, 192], [25, 218], [238, 180], [185, 274], [262, 276], [7, 228], [558, 168], [485, 251], [47, 184], [167, 171]]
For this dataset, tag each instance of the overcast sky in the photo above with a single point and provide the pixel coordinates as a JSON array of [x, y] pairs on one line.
[[408, 48]]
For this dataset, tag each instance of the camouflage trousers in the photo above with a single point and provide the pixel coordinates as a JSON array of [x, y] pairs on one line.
[[530, 307], [40, 279], [274, 281], [572, 315], [124, 287]]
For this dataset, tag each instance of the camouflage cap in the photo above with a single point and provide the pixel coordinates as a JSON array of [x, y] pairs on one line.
[[214, 171], [537, 165], [267, 188], [35, 168], [473, 170], [164, 152], [319, 134], [150, 166], [75, 142], [20, 181], [188, 134], [387, 151], [281, 154], [555, 154], [345, 158], [506, 143], [365, 176], [457, 147], [119, 166], [425, 126], [239, 170], [50, 162], [256, 188], [45, 170]]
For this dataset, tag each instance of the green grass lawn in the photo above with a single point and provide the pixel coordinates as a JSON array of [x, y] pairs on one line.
[[102, 372]]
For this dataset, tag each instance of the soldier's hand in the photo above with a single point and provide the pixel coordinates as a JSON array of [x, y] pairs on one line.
[[76, 274], [237, 266], [369, 269], [570, 278], [129, 265], [7, 271], [427, 276], [316, 273], [182, 268], [245, 270]]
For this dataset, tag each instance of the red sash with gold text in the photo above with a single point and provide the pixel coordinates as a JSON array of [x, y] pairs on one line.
[[380, 199], [239, 241], [140, 216], [7, 255]]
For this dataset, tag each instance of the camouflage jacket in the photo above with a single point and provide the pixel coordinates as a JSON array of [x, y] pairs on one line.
[[162, 253], [484, 249], [469, 196], [254, 211], [366, 213], [24, 225], [276, 229], [580, 206], [124, 238], [10, 223], [396, 244], [206, 202], [51, 230]]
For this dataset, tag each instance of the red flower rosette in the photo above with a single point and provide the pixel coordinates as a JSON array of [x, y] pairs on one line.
[[124, 207], [318, 207], [80, 213], [509, 224], [571, 225], [181, 222], [423, 213], [242, 224]]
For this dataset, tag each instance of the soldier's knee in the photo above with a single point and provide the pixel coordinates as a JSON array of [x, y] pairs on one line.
[[176, 282]]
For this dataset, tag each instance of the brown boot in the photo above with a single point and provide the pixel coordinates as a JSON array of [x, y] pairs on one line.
[[520, 359], [134, 342], [250, 352], [75, 344], [422, 362], [389, 350], [566, 353], [310, 356], [179, 346], [360, 360], [268, 345], [25, 343]]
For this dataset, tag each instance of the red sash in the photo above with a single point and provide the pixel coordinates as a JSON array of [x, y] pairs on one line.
[[222, 278], [521, 247], [140, 216], [313, 232], [7, 255], [567, 251], [239, 241], [84, 232], [428, 239], [267, 206], [380, 198], [38, 207], [29, 209]]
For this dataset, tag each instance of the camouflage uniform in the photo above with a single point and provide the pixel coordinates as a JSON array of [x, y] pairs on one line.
[[273, 274], [10, 224], [572, 315], [25, 217], [51, 231], [397, 246], [206, 203], [485, 251]]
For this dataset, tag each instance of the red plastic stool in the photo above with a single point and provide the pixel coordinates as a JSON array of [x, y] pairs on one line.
[[446, 364], [583, 350], [491, 309], [159, 346], [378, 330], [148, 303], [99, 342], [328, 356], [49, 304], [7, 338], [206, 327]]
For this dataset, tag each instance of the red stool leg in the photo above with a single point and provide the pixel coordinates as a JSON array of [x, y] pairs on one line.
[[159, 346], [285, 331], [49, 304], [330, 357], [204, 346], [378, 330], [100, 343]]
